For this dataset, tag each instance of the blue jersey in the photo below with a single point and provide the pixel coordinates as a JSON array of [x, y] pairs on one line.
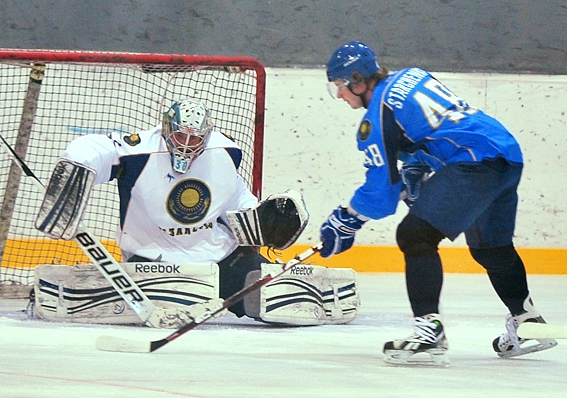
[[414, 118]]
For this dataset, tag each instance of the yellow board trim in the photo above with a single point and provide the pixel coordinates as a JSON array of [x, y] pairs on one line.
[[359, 258], [38, 251], [455, 259]]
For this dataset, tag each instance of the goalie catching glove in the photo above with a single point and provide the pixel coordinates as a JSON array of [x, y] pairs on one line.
[[276, 222]]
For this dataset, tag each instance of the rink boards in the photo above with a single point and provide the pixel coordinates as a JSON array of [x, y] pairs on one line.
[[361, 258]]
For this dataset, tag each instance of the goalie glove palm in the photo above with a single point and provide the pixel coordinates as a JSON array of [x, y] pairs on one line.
[[337, 233]]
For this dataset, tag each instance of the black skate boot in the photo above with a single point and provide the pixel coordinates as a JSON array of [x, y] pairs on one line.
[[428, 339]]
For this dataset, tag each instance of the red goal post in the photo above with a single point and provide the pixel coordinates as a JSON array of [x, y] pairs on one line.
[[49, 97]]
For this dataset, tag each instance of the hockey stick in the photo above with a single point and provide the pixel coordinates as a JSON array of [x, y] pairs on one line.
[[99, 255], [117, 344], [532, 330]]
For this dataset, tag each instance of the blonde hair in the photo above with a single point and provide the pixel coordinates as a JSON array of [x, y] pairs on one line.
[[381, 74]]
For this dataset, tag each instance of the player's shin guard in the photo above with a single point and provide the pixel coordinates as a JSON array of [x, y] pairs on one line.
[[510, 345], [507, 274], [426, 346]]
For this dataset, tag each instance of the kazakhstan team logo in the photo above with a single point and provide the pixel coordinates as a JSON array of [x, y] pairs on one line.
[[132, 139], [364, 130], [189, 201]]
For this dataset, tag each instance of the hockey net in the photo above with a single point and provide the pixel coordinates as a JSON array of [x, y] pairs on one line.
[[51, 97]]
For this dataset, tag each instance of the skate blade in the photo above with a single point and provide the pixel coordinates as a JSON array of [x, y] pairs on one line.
[[434, 357], [543, 344]]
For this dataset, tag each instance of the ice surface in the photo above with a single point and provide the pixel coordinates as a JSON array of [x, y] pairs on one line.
[[230, 357]]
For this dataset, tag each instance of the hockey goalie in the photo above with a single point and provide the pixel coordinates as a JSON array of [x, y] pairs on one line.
[[189, 232]]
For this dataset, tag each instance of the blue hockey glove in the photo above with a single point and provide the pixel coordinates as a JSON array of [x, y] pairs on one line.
[[412, 178], [337, 233]]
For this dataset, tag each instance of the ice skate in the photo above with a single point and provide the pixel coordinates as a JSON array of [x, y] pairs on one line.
[[509, 345], [427, 346]]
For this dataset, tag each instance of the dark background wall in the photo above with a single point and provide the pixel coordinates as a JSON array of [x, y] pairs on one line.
[[524, 36]]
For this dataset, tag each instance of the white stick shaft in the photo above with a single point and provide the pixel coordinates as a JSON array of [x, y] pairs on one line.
[[530, 330], [114, 273]]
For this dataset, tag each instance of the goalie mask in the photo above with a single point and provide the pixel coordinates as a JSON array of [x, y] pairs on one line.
[[186, 129]]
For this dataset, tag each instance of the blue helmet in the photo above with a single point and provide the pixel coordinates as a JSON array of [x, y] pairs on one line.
[[350, 58]]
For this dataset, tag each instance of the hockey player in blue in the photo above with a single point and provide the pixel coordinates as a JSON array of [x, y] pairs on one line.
[[460, 170]]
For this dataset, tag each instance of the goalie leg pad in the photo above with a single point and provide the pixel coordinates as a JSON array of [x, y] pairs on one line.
[[65, 200], [81, 294], [307, 295]]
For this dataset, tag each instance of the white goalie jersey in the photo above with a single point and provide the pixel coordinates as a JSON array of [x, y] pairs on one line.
[[164, 215]]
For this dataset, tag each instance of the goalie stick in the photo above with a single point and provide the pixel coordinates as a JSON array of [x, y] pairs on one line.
[[532, 330], [117, 344], [99, 255]]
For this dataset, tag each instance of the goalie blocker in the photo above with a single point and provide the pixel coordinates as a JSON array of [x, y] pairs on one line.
[[306, 295], [65, 200]]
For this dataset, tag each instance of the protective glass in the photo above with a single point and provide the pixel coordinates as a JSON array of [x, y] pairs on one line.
[[337, 87]]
